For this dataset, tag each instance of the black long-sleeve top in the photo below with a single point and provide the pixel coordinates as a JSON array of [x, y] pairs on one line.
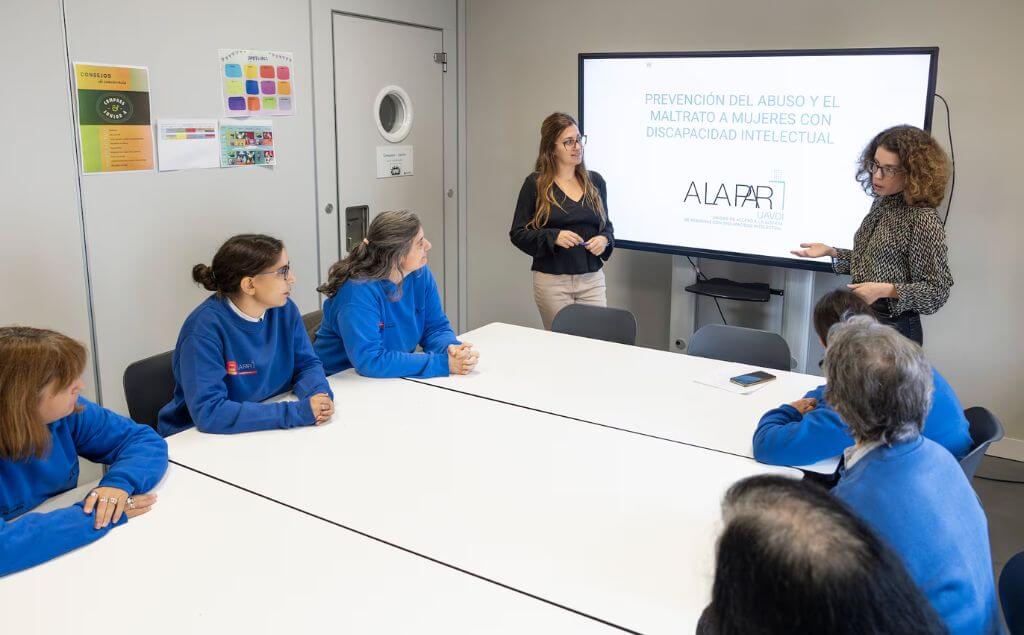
[[903, 245], [573, 216]]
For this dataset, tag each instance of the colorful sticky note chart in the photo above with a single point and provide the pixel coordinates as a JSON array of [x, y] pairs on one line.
[[257, 82]]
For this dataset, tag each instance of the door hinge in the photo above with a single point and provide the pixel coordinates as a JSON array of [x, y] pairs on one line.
[[442, 59]]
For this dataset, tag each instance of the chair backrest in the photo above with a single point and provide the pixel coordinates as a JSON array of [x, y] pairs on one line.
[[596, 322], [148, 386], [1011, 593], [985, 430], [312, 322], [743, 345]]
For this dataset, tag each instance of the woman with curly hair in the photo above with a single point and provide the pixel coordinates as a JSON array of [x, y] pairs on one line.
[[561, 221], [898, 261]]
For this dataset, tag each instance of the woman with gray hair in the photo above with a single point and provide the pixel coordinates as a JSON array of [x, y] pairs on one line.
[[908, 488], [382, 303]]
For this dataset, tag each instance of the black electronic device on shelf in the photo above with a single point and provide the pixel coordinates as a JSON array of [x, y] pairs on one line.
[[730, 290]]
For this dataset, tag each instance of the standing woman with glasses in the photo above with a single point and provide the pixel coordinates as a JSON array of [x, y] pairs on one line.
[[561, 220], [898, 261], [244, 344]]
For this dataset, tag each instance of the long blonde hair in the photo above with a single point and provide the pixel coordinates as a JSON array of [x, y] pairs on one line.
[[546, 167], [30, 359]]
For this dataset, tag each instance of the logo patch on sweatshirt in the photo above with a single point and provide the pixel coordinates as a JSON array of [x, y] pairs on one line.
[[245, 368]]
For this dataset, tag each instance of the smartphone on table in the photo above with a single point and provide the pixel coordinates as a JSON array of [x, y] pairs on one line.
[[752, 379]]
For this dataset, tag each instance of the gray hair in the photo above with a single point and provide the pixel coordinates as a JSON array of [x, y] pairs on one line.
[[388, 241], [878, 381]]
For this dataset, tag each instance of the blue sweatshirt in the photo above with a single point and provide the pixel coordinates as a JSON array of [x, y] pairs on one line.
[[365, 328], [137, 457], [784, 437], [916, 497], [224, 366]]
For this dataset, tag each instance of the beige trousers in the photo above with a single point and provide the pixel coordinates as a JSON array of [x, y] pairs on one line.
[[554, 292]]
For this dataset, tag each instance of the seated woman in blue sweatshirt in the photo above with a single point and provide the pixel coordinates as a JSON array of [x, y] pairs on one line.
[[383, 303], [908, 488], [809, 430], [244, 344], [45, 425]]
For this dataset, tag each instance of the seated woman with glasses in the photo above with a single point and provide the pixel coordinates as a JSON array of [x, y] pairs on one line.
[[382, 303], [898, 261], [45, 425], [244, 344], [561, 221], [809, 430]]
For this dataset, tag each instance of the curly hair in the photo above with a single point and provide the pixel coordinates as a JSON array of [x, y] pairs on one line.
[[925, 162]]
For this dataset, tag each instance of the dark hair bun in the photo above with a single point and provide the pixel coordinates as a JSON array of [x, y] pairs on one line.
[[203, 274]]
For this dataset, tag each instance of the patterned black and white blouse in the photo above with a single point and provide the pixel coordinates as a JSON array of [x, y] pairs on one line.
[[903, 245]]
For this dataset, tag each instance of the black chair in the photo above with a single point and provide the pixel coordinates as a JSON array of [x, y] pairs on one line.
[[743, 345], [1011, 593], [148, 387], [312, 322], [596, 322], [985, 430]]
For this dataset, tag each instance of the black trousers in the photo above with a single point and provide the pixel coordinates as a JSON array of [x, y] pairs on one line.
[[908, 323]]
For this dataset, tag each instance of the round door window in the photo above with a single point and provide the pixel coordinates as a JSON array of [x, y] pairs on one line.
[[393, 111]]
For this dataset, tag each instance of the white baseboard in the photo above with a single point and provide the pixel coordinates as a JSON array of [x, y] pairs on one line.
[[1008, 448]]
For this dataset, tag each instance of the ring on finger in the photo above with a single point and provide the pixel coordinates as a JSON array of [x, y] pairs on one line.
[[131, 502], [104, 499], [93, 494]]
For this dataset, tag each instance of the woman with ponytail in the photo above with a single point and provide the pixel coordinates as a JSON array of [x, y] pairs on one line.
[[244, 344], [561, 220], [382, 303]]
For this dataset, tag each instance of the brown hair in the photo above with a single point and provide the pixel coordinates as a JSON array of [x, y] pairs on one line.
[[836, 306], [925, 162], [30, 359], [546, 166], [388, 240], [239, 257]]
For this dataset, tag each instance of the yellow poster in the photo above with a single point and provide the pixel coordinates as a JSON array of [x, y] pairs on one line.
[[113, 118]]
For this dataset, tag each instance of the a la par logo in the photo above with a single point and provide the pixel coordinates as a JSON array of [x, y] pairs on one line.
[[768, 198]]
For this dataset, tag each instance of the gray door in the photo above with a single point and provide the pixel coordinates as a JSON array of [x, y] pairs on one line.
[[389, 103]]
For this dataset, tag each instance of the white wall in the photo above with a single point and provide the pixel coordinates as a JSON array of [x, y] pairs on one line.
[[522, 65], [42, 269]]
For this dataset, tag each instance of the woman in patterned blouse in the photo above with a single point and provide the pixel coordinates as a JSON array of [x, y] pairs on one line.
[[898, 261]]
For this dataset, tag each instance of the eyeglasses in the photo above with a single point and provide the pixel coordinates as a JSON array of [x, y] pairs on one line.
[[282, 273], [569, 143], [887, 171]]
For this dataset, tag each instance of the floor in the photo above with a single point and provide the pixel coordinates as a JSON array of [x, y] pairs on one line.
[[1004, 505]]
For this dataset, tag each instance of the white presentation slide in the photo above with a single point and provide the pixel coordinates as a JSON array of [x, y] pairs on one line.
[[743, 154]]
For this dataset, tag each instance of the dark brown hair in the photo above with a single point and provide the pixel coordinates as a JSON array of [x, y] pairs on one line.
[[925, 162], [388, 241], [834, 307], [239, 257], [546, 167], [30, 359]]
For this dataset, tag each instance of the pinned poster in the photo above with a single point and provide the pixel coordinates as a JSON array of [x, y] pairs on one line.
[[187, 144], [248, 142], [257, 82], [113, 118]]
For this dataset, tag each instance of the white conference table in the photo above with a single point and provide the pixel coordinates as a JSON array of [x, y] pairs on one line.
[[211, 558], [628, 387], [616, 526]]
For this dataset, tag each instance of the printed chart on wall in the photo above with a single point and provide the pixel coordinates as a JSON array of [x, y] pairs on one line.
[[113, 118], [187, 144], [246, 143], [257, 82]]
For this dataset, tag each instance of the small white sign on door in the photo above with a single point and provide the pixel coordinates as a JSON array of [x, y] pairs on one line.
[[394, 161]]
